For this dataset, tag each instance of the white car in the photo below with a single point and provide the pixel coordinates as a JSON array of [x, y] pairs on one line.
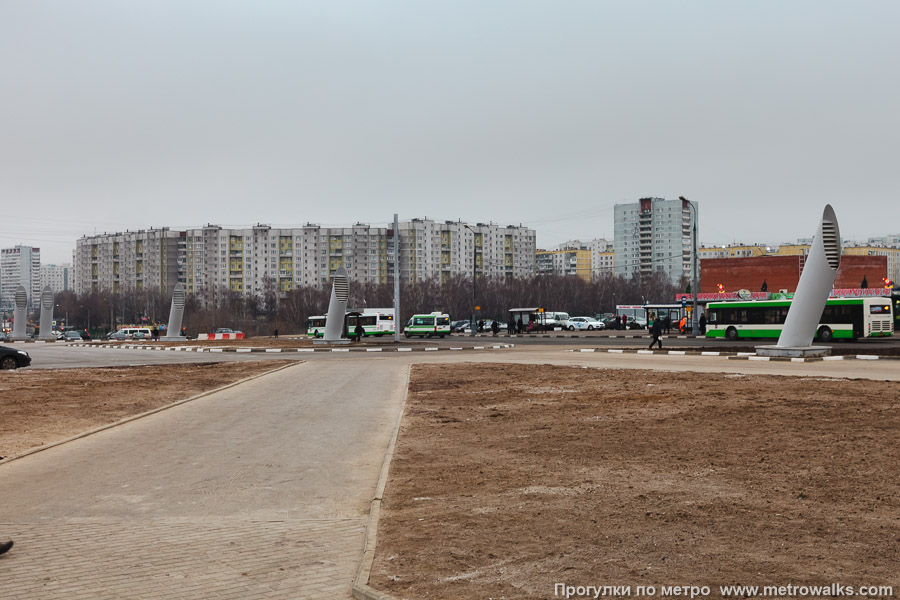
[[584, 323]]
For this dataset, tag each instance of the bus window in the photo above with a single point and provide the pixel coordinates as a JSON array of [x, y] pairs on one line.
[[443, 320]]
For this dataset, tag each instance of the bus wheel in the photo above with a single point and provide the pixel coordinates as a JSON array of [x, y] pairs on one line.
[[731, 333], [407, 334], [428, 335], [825, 334]]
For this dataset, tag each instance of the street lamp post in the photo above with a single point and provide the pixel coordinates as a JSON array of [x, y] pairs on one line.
[[695, 326]]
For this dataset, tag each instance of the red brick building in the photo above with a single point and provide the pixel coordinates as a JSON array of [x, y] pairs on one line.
[[783, 272]]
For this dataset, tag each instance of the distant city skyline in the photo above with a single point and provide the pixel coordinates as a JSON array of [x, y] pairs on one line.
[[53, 252], [130, 115]]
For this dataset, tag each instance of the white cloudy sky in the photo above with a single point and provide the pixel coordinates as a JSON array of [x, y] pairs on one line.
[[121, 115]]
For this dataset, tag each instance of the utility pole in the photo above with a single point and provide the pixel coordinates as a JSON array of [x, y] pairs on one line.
[[473, 324], [396, 279]]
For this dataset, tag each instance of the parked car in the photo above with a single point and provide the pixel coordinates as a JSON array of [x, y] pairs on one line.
[[72, 336], [458, 326], [85, 335], [4, 337], [10, 358], [118, 336], [634, 323], [226, 330], [585, 323]]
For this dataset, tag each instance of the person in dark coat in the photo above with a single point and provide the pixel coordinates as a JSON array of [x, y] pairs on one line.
[[519, 326], [358, 332], [656, 331], [702, 323], [495, 327]]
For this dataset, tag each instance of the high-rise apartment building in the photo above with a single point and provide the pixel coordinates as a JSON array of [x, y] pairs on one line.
[[258, 260], [20, 265], [133, 260], [564, 262], [441, 250], [602, 257], [58, 277], [654, 234]]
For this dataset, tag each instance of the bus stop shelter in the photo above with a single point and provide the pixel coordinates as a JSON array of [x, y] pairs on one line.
[[533, 314]]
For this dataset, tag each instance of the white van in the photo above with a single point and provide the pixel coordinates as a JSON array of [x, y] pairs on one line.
[[552, 320], [133, 333]]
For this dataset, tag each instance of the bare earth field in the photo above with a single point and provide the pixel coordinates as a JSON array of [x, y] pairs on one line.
[[508, 480], [42, 406]]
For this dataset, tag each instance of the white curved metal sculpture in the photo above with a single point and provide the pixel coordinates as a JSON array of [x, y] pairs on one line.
[[46, 314], [20, 315], [337, 306], [176, 314], [815, 284]]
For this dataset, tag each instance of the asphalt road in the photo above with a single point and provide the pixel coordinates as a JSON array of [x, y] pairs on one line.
[[554, 352]]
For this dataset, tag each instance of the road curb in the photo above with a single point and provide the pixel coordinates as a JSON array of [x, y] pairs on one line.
[[361, 588], [140, 415]]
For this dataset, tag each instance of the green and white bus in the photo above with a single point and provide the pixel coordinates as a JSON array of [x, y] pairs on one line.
[[434, 324], [843, 318], [375, 321]]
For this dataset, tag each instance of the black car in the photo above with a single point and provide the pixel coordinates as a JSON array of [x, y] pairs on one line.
[[10, 358]]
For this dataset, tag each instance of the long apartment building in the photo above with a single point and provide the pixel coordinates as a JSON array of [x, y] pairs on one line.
[[261, 259]]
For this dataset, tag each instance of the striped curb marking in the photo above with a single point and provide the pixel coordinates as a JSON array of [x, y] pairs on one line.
[[285, 350], [738, 355]]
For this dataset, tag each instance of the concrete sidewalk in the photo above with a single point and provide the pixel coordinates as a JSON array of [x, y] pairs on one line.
[[258, 491]]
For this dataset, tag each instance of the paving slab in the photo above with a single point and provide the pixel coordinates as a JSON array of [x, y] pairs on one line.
[[258, 491]]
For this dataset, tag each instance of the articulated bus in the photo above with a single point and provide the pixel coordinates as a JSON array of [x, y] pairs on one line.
[[375, 321], [843, 318]]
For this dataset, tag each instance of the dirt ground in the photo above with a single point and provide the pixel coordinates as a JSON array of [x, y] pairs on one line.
[[41, 406], [506, 482]]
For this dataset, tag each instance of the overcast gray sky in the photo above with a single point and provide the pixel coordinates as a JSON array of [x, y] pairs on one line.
[[122, 115]]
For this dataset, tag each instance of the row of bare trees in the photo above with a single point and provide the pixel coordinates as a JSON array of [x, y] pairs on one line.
[[261, 315]]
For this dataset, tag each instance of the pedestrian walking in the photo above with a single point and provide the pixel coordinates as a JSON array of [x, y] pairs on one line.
[[5, 546], [668, 324], [276, 334], [510, 326], [702, 324], [656, 331], [358, 332], [495, 327], [624, 322]]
